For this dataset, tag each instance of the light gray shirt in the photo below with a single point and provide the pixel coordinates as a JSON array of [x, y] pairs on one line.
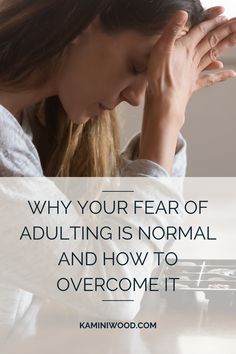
[[19, 158]]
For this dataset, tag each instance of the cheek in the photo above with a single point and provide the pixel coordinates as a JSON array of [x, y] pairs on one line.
[[89, 77], [74, 89], [81, 77], [78, 96], [69, 94], [115, 79]]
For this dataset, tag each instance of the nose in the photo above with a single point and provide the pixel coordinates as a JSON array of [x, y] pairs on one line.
[[134, 93]]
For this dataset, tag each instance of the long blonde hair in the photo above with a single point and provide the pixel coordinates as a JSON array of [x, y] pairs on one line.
[[66, 149], [33, 36]]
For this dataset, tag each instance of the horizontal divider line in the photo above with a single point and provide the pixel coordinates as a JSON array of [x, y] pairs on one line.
[[117, 191], [118, 300]]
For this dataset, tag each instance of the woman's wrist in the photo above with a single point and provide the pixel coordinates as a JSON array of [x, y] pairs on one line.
[[162, 123], [159, 147], [165, 109]]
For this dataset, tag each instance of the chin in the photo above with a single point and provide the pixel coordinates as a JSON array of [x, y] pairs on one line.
[[80, 119]]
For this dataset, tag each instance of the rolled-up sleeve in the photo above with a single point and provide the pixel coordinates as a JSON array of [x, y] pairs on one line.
[[131, 166]]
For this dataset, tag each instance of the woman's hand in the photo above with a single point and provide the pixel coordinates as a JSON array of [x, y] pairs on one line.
[[176, 62], [174, 73]]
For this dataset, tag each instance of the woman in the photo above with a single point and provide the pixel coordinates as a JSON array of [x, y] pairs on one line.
[[64, 67], [83, 64]]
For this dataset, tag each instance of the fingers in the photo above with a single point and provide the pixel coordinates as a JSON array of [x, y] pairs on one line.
[[198, 33], [215, 65], [174, 29], [214, 12], [214, 53], [213, 40], [211, 79]]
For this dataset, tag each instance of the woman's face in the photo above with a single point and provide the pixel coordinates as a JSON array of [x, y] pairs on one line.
[[101, 70]]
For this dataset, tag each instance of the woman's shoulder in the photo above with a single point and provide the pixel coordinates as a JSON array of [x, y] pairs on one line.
[[18, 155]]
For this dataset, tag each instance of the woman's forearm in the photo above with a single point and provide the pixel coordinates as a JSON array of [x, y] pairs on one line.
[[160, 131], [175, 71]]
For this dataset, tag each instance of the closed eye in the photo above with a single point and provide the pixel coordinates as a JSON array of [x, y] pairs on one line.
[[137, 71]]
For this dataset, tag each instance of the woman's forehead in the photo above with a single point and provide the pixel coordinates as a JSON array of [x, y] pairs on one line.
[[138, 44]]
